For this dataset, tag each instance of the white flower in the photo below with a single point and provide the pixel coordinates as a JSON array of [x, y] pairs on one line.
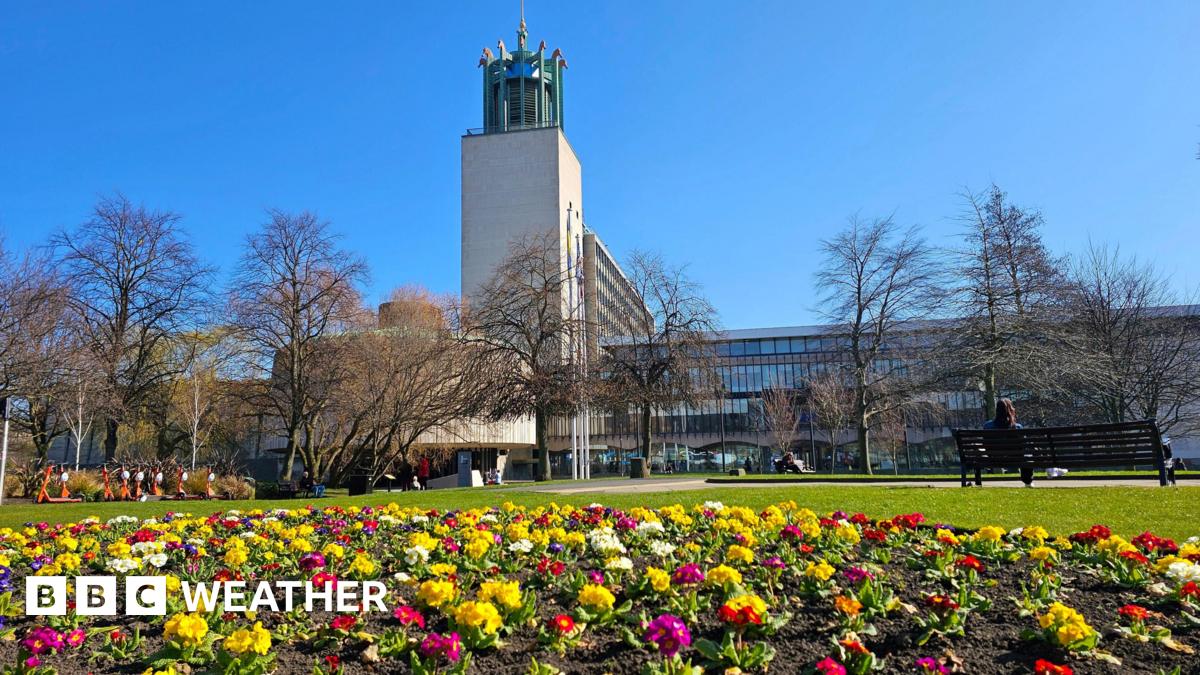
[[123, 565], [1184, 572], [605, 541], [416, 555], [232, 513], [143, 547], [662, 549], [418, 518], [650, 527], [621, 563], [121, 520], [249, 535], [715, 507], [157, 559], [403, 577], [487, 518], [521, 546]]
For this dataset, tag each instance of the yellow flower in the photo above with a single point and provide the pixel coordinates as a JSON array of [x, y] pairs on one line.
[[442, 569], [739, 554], [1036, 533], [752, 601], [821, 571], [989, 533], [1042, 553], [848, 533], [362, 565], [596, 597], [722, 574], [482, 615], [507, 593], [334, 550], [660, 580], [435, 593], [189, 628], [236, 556], [257, 640]]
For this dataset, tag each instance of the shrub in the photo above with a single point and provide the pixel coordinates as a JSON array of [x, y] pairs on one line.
[[84, 484], [197, 481], [233, 487]]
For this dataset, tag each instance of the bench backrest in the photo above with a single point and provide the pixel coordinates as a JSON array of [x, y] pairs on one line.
[[1090, 445]]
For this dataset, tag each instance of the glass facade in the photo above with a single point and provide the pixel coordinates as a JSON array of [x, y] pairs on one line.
[[723, 433]]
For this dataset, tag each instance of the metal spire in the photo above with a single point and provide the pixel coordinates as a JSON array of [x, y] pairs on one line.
[[521, 28]]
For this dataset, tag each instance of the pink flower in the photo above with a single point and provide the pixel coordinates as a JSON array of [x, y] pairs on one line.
[[669, 633], [76, 637], [688, 574], [407, 616], [444, 646], [827, 666]]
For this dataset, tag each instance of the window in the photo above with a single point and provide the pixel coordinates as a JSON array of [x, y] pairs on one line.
[[737, 348], [767, 346], [752, 348]]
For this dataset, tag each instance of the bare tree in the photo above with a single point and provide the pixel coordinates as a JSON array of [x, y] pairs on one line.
[[1004, 291], [521, 331], [1136, 343], [135, 283], [830, 406], [662, 356], [36, 339], [295, 294], [877, 278], [207, 357], [781, 417]]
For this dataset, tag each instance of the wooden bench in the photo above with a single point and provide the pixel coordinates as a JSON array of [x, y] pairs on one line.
[[1096, 445], [288, 490]]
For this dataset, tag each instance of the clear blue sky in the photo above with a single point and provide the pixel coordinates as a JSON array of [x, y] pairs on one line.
[[730, 135]]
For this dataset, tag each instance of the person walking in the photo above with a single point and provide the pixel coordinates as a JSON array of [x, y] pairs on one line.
[[423, 473]]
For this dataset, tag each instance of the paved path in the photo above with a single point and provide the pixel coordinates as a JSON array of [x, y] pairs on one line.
[[629, 486]]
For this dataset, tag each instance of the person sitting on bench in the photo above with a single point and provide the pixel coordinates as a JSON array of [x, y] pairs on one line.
[[1006, 418], [787, 464], [310, 487]]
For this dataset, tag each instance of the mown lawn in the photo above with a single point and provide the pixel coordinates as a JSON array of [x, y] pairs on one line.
[[1173, 512]]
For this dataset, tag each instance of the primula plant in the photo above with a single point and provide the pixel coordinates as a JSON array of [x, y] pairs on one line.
[[675, 590]]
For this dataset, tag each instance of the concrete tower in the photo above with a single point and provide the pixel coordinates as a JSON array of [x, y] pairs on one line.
[[520, 176]]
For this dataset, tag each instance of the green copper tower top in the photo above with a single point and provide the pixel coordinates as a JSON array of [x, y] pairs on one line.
[[522, 89]]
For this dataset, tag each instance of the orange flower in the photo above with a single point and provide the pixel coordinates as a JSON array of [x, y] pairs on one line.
[[847, 605]]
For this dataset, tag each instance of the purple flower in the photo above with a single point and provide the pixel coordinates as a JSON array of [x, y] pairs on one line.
[[928, 664], [445, 646], [688, 574], [857, 575], [311, 561], [555, 547], [774, 562], [596, 577], [43, 639], [669, 633]]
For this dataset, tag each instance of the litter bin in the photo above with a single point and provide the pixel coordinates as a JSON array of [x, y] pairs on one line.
[[637, 467], [359, 484]]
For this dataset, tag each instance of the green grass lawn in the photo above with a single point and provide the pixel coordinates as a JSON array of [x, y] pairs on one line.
[[1173, 512]]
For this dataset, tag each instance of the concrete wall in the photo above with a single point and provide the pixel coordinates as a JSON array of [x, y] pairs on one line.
[[513, 184]]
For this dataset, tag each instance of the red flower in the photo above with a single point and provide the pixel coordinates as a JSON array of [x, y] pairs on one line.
[[408, 615], [854, 646], [739, 617], [1134, 612], [1136, 557], [941, 603], [333, 662], [343, 622], [970, 562], [1093, 535], [1190, 589], [1044, 667], [563, 623]]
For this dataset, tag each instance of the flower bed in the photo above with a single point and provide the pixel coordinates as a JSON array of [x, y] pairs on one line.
[[593, 590]]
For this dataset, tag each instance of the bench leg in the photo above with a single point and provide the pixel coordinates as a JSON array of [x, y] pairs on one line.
[[964, 476], [1027, 476], [978, 477]]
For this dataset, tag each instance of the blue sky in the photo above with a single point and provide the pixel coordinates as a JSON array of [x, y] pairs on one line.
[[730, 136]]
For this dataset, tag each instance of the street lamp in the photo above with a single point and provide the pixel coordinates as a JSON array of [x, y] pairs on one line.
[[4, 402]]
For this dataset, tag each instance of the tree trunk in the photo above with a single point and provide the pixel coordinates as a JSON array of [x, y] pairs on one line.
[[645, 440], [989, 391], [110, 439], [285, 474], [864, 445], [540, 419]]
